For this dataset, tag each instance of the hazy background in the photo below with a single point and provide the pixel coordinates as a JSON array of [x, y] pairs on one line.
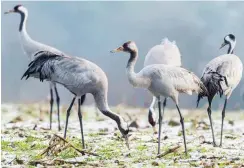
[[91, 29]]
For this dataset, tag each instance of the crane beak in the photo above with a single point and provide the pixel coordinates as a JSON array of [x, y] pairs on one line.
[[127, 141], [222, 45], [117, 49], [10, 11]]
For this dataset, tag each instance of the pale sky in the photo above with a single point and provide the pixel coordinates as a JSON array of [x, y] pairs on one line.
[[91, 29]]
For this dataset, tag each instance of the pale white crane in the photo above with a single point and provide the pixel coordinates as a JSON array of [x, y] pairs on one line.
[[80, 77], [165, 53], [221, 76], [31, 49], [162, 80]]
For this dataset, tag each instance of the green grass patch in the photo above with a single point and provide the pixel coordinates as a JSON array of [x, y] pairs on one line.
[[109, 150], [68, 153], [141, 147], [6, 146], [94, 135]]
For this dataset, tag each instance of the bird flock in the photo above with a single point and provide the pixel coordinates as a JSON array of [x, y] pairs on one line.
[[162, 75]]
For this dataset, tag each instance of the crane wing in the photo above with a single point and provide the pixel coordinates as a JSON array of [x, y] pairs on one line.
[[182, 79], [186, 81]]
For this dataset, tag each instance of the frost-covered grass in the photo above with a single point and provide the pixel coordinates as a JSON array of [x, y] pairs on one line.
[[24, 137]]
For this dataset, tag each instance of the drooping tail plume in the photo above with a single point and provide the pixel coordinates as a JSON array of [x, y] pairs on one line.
[[35, 68], [212, 81], [203, 93]]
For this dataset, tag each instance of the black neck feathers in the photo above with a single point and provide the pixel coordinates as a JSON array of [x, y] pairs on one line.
[[230, 51], [133, 56], [22, 19]]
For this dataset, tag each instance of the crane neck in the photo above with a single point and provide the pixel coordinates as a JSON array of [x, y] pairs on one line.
[[134, 78], [130, 68], [131, 62], [22, 26], [29, 46], [231, 48], [102, 104], [23, 19]]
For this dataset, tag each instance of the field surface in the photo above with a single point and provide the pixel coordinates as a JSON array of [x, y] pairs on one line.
[[26, 140]]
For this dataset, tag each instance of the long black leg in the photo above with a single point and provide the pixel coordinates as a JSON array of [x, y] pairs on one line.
[[51, 106], [164, 105], [210, 119], [160, 123], [58, 103], [222, 124], [81, 125], [183, 127], [67, 116]]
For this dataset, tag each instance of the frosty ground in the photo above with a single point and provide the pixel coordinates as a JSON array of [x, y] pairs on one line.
[[25, 136]]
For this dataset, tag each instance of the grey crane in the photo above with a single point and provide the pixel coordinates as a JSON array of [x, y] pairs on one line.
[[31, 48], [162, 80], [221, 75], [80, 77]]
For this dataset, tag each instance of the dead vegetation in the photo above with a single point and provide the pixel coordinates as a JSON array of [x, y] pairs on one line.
[[58, 144]]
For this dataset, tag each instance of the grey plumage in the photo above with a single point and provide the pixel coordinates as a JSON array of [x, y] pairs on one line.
[[80, 77], [71, 72]]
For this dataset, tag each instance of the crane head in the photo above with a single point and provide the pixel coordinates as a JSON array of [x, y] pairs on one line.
[[127, 141], [16, 9], [230, 40], [129, 47], [124, 130]]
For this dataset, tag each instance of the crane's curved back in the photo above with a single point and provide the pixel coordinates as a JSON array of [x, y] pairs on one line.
[[165, 53]]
